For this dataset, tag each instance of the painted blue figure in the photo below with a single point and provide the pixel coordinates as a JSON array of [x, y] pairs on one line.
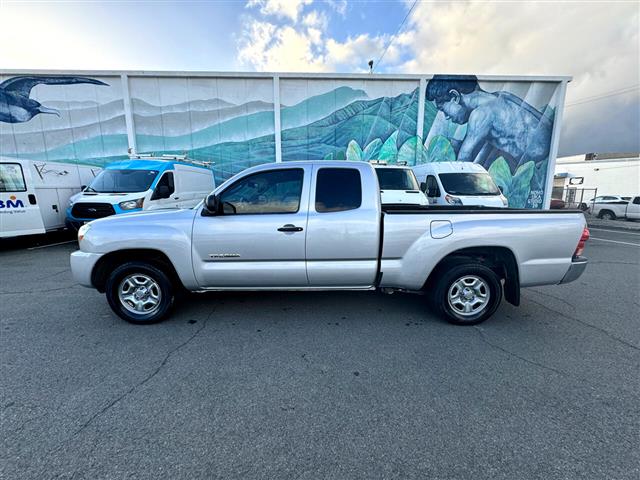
[[498, 123], [15, 104]]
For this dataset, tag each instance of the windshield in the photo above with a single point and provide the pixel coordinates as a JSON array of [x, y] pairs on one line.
[[123, 181], [469, 184], [396, 179]]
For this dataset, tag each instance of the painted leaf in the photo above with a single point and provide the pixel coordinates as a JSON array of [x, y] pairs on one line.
[[521, 185], [501, 174], [440, 150], [372, 150], [389, 150], [407, 152], [354, 152], [340, 155], [328, 156]]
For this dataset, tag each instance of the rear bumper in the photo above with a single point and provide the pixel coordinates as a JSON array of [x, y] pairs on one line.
[[82, 264], [576, 269]]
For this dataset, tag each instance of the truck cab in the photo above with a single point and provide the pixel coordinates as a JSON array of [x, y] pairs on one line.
[[141, 183], [398, 185], [459, 183]]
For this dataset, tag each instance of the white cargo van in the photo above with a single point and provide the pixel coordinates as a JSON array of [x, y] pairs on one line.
[[458, 183], [398, 185], [34, 194], [142, 183]]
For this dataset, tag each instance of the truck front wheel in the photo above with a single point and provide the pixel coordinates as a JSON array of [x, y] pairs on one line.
[[139, 293], [467, 294]]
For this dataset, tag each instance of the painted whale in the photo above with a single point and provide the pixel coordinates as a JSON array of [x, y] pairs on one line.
[[15, 104]]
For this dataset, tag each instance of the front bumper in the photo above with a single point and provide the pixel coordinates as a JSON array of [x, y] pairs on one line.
[[82, 264], [576, 269]]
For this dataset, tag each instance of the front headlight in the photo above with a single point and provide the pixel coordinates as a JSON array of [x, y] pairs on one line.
[[82, 231], [451, 200], [131, 204], [70, 203]]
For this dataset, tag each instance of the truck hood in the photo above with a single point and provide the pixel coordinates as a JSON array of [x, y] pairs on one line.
[[111, 198], [143, 219], [412, 197], [486, 200]]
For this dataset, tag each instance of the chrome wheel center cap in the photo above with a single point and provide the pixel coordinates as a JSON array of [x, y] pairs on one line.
[[141, 293], [468, 293]]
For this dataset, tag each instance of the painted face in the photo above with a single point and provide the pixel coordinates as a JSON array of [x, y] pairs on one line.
[[453, 110]]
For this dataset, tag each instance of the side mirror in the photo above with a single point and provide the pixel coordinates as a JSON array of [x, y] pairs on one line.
[[211, 205], [423, 187], [162, 191], [82, 187]]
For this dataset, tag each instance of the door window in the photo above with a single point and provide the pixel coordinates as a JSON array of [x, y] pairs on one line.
[[433, 190], [636, 200], [274, 191], [165, 187], [12, 178], [338, 189]]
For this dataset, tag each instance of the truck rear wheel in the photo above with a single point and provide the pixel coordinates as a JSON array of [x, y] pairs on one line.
[[607, 215], [139, 293], [467, 294]]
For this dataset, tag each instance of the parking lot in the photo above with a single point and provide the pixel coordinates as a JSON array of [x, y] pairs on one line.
[[321, 385]]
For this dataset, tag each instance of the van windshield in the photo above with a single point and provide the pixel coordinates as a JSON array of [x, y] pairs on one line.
[[396, 179], [122, 181], [469, 184]]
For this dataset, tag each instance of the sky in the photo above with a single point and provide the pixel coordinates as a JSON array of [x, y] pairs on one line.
[[597, 43]]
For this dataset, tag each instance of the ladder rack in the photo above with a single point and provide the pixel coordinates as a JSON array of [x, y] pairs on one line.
[[171, 158]]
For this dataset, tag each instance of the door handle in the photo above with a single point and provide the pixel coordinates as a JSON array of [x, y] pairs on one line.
[[289, 228]]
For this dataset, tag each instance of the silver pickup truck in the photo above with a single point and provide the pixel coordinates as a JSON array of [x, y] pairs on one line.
[[321, 226]]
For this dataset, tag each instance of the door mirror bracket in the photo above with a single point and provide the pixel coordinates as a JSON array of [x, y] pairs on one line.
[[212, 206]]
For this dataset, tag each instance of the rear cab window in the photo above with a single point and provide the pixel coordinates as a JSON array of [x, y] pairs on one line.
[[12, 178], [338, 190]]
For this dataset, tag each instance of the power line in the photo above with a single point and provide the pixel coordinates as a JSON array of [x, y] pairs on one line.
[[394, 36], [611, 93]]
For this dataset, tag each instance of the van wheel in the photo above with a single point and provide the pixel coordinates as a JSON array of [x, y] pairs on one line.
[[139, 293], [467, 294]]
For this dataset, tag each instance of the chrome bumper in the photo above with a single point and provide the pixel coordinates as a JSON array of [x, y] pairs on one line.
[[575, 270]]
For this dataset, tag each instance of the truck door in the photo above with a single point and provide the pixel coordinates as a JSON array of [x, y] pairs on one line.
[[19, 211], [258, 240], [343, 231]]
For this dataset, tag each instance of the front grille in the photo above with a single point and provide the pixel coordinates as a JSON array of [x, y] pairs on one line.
[[92, 210]]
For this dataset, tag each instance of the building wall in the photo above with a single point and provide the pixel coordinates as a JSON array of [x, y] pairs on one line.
[[507, 124], [610, 177]]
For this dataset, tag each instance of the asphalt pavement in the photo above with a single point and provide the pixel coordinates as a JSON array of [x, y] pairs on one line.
[[321, 385]]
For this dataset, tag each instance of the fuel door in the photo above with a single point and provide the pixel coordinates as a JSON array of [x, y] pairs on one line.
[[441, 228]]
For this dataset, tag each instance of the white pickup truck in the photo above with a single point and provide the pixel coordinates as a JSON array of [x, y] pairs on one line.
[[321, 226]]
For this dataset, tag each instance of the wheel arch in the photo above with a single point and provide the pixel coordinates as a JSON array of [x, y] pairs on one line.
[[112, 260], [499, 259]]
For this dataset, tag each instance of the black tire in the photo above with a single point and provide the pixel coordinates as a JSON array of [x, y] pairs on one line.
[[162, 285], [447, 279], [607, 215]]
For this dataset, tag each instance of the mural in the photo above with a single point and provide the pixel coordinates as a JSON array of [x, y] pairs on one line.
[[506, 126]]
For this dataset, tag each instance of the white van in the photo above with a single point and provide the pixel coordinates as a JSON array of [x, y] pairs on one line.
[[398, 184], [459, 183], [34, 194], [142, 183]]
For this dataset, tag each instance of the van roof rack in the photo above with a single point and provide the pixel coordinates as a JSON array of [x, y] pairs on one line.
[[170, 158], [377, 162]]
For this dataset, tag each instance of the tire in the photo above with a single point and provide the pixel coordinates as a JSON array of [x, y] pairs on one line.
[[479, 280], [139, 293], [607, 215]]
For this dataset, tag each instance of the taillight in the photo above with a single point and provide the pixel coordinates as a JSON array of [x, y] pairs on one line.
[[583, 240]]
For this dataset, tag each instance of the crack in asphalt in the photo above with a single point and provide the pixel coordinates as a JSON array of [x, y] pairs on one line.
[[484, 338], [155, 372], [602, 330], [614, 263], [40, 291], [553, 296]]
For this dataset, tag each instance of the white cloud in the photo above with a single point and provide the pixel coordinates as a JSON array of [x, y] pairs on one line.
[[340, 6], [281, 8]]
